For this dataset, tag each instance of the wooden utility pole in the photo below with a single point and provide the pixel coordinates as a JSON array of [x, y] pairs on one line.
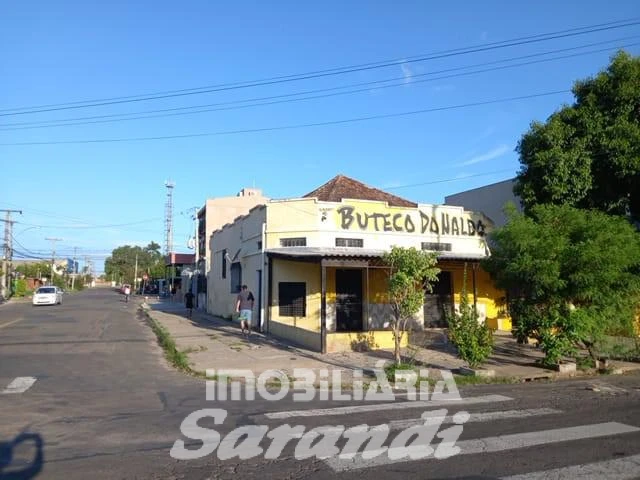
[[53, 255]]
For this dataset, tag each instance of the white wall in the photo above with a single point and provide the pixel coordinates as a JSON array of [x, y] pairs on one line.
[[241, 242]]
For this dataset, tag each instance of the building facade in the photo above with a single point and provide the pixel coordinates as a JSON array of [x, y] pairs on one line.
[[214, 214], [489, 199], [314, 265]]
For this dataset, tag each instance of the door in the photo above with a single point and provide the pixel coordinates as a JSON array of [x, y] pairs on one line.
[[259, 292], [349, 300], [439, 301]]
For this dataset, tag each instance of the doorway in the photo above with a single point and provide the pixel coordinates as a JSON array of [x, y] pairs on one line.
[[348, 300], [439, 302]]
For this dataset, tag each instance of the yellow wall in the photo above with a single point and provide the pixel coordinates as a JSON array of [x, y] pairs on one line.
[[378, 286], [345, 342], [288, 271], [487, 294]]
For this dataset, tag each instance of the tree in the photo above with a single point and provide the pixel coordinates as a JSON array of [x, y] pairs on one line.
[[571, 276], [587, 154], [411, 272], [122, 262]]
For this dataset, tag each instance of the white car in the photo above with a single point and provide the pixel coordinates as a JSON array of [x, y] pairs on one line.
[[47, 296]]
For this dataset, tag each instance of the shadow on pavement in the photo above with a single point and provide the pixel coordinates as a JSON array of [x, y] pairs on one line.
[[12, 463]]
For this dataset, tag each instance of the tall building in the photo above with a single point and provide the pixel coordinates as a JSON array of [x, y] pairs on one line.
[[489, 199]]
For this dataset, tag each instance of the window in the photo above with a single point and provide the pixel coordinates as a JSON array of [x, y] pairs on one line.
[[260, 246], [349, 242], [224, 264], [436, 247], [292, 299], [293, 242], [236, 277]]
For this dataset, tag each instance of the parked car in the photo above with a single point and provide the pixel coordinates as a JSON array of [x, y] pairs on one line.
[[47, 296]]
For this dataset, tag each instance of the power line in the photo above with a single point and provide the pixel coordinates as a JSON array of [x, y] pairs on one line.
[[286, 98], [295, 126], [324, 73], [92, 226]]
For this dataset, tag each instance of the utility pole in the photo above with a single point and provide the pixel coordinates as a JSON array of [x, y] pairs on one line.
[[73, 268], [53, 255], [135, 275], [8, 251]]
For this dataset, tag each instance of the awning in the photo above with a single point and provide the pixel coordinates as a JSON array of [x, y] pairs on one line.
[[347, 253]]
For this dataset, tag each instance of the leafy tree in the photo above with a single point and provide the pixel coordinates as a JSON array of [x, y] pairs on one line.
[[587, 154], [121, 263], [571, 275], [411, 272], [472, 338]]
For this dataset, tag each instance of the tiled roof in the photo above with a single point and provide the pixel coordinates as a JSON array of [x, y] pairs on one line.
[[340, 187]]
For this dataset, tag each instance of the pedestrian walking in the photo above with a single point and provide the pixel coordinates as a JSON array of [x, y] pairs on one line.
[[244, 306], [189, 301]]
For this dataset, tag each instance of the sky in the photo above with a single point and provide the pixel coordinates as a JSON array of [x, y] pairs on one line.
[[95, 196]]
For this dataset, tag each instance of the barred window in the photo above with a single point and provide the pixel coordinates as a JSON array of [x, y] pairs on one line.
[[236, 277], [292, 299], [293, 242], [349, 242], [436, 247]]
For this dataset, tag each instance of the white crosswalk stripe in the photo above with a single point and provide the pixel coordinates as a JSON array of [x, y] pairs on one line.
[[19, 385], [489, 444], [430, 448], [376, 407]]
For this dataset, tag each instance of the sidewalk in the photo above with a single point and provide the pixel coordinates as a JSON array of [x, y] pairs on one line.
[[214, 343]]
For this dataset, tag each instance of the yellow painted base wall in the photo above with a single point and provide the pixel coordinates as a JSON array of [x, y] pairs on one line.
[[298, 336], [375, 340]]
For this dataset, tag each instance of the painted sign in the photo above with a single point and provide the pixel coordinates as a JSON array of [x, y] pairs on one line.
[[443, 223]]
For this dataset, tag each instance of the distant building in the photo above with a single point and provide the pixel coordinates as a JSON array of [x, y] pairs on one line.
[[489, 200]]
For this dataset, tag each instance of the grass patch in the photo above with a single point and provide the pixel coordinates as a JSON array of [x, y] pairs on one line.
[[174, 356]]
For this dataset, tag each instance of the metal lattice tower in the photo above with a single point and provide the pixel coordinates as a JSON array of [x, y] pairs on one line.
[[168, 218]]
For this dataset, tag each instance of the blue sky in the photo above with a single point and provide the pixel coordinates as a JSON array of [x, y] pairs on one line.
[[70, 51]]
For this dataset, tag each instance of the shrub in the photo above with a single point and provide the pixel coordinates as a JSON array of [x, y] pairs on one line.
[[474, 340]]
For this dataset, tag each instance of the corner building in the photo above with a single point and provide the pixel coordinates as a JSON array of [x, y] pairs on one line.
[[314, 265]]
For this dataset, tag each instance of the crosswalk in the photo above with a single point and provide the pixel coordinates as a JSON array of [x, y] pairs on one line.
[[400, 417]]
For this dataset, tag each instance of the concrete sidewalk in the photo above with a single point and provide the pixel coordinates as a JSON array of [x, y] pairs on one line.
[[214, 343]]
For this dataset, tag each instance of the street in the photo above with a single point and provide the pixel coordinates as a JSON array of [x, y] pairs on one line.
[[87, 381]]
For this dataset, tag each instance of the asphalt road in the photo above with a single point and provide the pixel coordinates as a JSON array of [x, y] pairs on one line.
[[88, 388]]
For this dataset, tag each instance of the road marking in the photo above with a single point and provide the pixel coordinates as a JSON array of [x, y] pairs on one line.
[[620, 469], [474, 417], [19, 385], [319, 412], [491, 444], [10, 323]]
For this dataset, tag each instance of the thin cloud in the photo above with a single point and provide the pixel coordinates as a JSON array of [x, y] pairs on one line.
[[407, 72], [443, 88], [485, 157]]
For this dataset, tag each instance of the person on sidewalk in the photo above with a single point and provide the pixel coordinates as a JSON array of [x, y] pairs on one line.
[[244, 306], [189, 301]]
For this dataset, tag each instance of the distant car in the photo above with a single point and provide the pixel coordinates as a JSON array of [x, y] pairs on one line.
[[47, 296]]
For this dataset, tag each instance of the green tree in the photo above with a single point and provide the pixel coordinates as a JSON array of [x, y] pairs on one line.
[[571, 275], [122, 262], [411, 272], [587, 154]]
